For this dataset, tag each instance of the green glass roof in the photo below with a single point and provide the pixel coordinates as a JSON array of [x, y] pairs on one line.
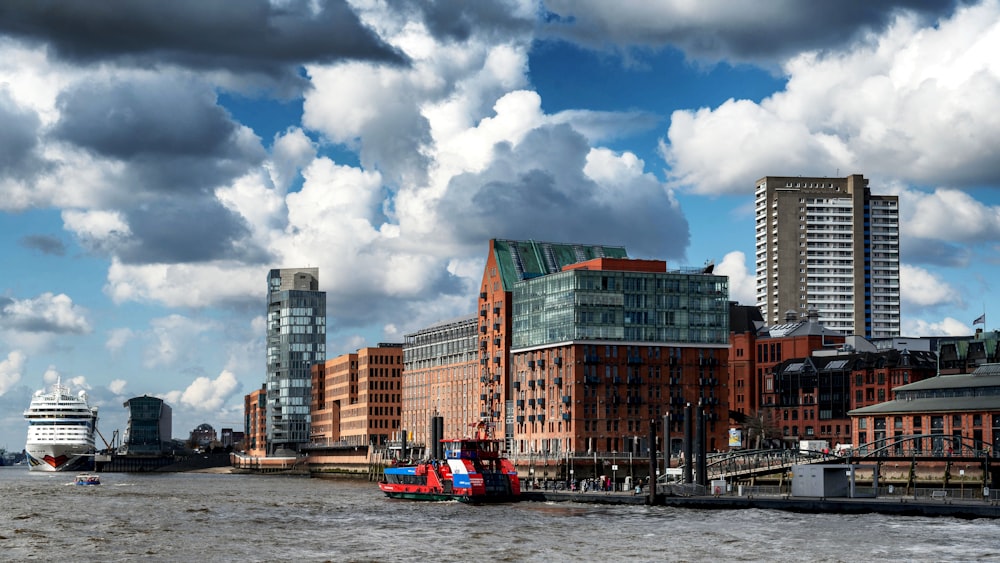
[[520, 260]]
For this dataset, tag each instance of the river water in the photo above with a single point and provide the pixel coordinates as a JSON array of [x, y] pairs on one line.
[[211, 517]]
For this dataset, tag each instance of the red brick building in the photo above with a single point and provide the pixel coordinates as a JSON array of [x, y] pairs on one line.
[[957, 414], [811, 396]]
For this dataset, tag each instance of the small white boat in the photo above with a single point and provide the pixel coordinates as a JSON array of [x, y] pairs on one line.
[[88, 479]]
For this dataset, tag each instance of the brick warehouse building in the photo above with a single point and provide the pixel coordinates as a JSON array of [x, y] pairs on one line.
[[507, 263], [811, 396], [949, 413], [441, 371], [606, 345], [755, 350], [578, 348]]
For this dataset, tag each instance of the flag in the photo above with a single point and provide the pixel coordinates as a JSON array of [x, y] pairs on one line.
[[980, 320]]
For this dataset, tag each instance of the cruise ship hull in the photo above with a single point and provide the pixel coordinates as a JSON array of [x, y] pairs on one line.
[[59, 457]]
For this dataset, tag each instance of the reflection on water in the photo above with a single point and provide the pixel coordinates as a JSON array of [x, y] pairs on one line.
[[192, 517]]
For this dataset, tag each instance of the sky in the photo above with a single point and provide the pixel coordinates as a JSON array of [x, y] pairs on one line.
[[158, 159]]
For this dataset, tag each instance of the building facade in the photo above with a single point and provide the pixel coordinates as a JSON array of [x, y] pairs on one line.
[[357, 398], [150, 423], [755, 350], [607, 345], [812, 396], [950, 414], [829, 245], [296, 339], [507, 263], [255, 422], [963, 354], [442, 378]]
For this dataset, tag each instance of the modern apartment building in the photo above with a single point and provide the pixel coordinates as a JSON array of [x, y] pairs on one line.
[[829, 245], [296, 339], [356, 398]]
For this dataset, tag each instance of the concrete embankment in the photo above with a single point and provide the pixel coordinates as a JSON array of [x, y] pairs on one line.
[[896, 506]]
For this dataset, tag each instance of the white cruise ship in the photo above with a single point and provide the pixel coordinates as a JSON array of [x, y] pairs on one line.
[[60, 430]]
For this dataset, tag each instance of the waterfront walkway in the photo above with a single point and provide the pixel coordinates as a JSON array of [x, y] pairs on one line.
[[923, 503]]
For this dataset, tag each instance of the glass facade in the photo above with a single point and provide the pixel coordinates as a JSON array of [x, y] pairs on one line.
[[149, 425], [296, 339], [665, 307]]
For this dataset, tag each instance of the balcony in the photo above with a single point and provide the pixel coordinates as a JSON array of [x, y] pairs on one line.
[[557, 381]]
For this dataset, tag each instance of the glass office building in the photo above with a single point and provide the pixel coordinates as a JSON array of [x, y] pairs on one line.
[[296, 339], [647, 307], [150, 422]]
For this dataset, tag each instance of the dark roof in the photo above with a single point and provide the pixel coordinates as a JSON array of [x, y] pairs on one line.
[[744, 318], [932, 404]]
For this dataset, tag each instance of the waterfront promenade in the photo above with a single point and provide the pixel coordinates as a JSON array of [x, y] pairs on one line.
[[902, 505]]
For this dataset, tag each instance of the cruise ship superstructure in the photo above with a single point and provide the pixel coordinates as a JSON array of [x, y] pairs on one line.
[[60, 430]]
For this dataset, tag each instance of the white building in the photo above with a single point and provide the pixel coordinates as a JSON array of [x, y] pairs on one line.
[[829, 245]]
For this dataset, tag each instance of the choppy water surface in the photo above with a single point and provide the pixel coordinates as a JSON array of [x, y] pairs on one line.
[[206, 517]]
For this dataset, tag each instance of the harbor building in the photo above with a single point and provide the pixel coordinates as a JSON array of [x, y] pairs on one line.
[[370, 406], [441, 371], [296, 339], [606, 345], [949, 414], [830, 245], [149, 426]]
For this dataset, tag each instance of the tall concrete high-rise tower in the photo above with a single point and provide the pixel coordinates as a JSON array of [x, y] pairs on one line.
[[296, 339], [828, 245]]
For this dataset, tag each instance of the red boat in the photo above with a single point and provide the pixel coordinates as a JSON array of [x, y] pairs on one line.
[[473, 470]]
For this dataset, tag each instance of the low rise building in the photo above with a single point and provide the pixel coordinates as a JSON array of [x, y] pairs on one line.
[[939, 415]]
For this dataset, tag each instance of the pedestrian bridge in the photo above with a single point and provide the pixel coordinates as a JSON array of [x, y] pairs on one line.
[[913, 449]]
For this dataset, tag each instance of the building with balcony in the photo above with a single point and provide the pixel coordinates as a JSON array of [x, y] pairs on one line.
[[606, 345], [356, 398], [829, 245]]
